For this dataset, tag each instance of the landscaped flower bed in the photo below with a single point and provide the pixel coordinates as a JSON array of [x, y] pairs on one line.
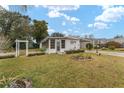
[[82, 57]]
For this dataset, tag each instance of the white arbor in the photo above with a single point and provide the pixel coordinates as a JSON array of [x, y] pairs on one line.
[[18, 46]]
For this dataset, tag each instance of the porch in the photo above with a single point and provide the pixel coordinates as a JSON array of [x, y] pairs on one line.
[[53, 45]]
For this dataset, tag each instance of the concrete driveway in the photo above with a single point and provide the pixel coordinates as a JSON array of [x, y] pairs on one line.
[[120, 54]]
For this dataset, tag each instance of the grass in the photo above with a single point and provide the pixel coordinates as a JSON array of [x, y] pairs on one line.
[[62, 71]]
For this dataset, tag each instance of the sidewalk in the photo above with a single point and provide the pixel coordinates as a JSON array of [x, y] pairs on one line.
[[107, 53]]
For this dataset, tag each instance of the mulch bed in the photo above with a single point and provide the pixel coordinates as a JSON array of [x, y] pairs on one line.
[[78, 58]]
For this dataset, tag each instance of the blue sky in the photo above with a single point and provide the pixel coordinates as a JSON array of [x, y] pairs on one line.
[[100, 21]]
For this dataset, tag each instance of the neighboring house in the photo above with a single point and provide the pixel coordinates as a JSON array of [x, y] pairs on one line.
[[60, 44], [104, 41], [84, 42], [94, 41], [101, 42]]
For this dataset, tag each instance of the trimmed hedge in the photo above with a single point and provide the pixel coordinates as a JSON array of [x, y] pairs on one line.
[[36, 54], [7, 56], [74, 51]]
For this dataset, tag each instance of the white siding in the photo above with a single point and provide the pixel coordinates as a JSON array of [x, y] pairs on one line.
[[74, 46], [68, 46]]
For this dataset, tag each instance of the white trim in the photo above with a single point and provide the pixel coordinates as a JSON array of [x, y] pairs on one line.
[[48, 37], [49, 46], [18, 46]]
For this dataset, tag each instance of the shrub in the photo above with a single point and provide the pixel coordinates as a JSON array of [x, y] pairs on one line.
[[112, 47], [104, 48], [97, 46], [42, 49], [6, 80], [89, 46], [35, 54], [74, 51], [113, 43], [5, 42]]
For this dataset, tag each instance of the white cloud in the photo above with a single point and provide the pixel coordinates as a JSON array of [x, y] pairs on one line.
[[76, 31], [104, 7], [57, 11], [73, 20], [109, 15], [66, 33], [63, 23], [54, 13], [50, 30], [90, 25], [5, 6], [112, 14], [70, 32], [62, 7], [99, 25]]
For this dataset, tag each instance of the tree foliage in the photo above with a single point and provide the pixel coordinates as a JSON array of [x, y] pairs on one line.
[[39, 30], [113, 44], [118, 36], [57, 34], [14, 25], [89, 46], [5, 42]]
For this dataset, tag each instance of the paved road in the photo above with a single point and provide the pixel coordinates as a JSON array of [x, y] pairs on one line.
[[120, 54]]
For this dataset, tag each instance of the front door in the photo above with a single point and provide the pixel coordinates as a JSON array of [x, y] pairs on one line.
[[58, 45]]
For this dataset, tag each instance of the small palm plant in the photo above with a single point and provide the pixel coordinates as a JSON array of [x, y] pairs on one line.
[[6, 80]]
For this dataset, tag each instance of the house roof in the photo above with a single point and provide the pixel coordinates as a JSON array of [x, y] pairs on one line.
[[67, 37]]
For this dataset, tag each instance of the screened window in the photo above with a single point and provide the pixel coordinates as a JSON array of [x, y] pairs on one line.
[[63, 43], [52, 44]]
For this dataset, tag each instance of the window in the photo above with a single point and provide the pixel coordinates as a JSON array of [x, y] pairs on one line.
[[52, 43], [63, 43]]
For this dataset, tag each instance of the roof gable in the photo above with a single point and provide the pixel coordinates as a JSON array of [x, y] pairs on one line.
[[70, 38]]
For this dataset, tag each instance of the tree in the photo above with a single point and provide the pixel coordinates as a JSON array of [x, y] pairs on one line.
[[5, 42], [89, 46], [111, 47], [113, 44], [57, 34], [20, 28], [39, 30], [118, 36], [14, 25]]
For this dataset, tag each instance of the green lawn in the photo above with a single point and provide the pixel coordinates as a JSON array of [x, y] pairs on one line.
[[61, 71]]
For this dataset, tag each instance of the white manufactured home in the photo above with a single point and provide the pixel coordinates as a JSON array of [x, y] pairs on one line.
[[60, 44]]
